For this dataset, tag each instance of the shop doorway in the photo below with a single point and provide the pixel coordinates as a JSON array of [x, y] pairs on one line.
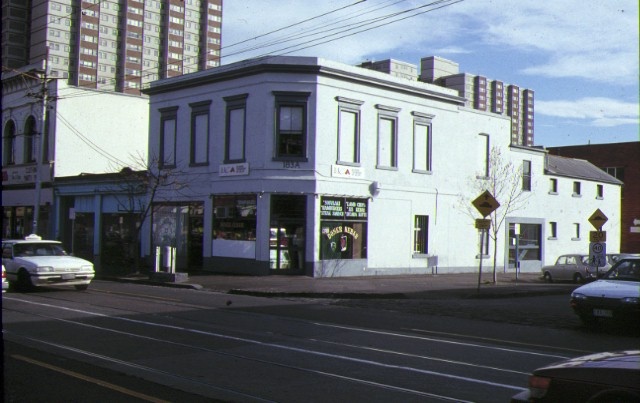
[[287, 234], [180, 226]]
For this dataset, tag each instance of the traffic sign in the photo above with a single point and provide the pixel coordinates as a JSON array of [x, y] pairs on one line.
[[598, 219], [482, 223], [597, 236], [597, 254], [485, 203]]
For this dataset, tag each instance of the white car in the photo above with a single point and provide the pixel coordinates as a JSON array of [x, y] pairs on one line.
[[5, 284], [34, 262], [615, 296]]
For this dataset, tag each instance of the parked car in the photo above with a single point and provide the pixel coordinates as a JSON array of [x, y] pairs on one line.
[[595, 378], [616, 296], [613, 258], [34, 262], [574, 268], [5, 284]]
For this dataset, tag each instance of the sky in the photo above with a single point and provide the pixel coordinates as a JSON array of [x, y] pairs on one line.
[[579, 56]]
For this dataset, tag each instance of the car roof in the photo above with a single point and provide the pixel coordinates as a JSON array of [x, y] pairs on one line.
[[33, 238]]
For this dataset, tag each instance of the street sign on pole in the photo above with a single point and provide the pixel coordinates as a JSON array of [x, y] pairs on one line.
[[482, 223], [485, 203], [598, 219], [598, 254], [597, 236]]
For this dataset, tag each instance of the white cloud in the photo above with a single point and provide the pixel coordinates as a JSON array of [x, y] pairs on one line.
[[597, 41], [595, 111]]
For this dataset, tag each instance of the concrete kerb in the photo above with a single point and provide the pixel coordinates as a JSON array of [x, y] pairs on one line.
[[451, 287]]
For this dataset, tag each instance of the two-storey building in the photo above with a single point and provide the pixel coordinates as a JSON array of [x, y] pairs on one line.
[[306, 166]]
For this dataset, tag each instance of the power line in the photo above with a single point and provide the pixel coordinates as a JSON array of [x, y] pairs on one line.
[[311, 44]]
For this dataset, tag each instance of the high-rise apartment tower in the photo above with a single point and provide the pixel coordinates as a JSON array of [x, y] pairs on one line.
[[114, 45]]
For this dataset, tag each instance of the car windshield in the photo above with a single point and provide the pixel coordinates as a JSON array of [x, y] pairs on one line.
[[627, 270], [38, 249]]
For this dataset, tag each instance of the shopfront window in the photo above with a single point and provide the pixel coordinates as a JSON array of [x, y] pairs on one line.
[[119, 242], [528, 245], [343, 228], [234, 217]]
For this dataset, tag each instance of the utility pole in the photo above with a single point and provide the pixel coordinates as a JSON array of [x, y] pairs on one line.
[[40, 158]]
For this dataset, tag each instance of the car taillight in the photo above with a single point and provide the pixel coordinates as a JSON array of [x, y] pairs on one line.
[[538, 386]]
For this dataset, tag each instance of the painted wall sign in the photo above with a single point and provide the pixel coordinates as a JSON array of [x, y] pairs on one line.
[[234, 169], [342, 208], [343, 171]]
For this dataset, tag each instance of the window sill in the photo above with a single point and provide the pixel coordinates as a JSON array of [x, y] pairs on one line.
[[482, 177], [576, 195], [552, 238], [199, 164], [386, 168], [553, 193], [575, 239], [483, 257], [599, 198], [238, 161], [350, 164], [422, 172]]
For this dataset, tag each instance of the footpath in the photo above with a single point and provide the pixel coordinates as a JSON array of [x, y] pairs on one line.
[[427, 286]]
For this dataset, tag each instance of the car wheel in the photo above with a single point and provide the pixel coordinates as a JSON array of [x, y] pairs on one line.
[[548, 278], [81, 287], [24, 281], [577, 278]]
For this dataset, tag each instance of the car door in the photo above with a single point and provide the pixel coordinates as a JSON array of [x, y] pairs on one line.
[[557, 269], [570, 267]]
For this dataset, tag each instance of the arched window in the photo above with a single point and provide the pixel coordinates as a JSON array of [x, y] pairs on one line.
[[9, 146], [30, 143]]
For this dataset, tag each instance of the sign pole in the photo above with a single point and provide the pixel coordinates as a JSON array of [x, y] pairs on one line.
[[480, 268], [485, 204]]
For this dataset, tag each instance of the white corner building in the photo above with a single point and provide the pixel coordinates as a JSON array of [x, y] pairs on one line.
[[300, 165]]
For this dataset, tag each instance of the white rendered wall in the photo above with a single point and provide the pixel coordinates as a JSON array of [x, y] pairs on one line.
[[98, 132]]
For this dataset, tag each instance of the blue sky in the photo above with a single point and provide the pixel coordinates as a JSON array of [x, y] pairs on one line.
[[579, 56]]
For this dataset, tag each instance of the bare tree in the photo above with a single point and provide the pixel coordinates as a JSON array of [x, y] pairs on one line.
[[505, 183], [138, 189]]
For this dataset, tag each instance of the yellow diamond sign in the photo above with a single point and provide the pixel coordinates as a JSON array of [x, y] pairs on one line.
[[598, 219], [486, 203]]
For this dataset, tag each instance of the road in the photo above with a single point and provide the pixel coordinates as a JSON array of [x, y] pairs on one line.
[[142, 343]]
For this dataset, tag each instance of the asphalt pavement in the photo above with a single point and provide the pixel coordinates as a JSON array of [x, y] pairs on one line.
[[427, 286]]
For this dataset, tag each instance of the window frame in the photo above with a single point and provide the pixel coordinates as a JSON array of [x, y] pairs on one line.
[[30, 143], [599, 191], [291, 99], [167, 115], [387, 114], [554, 186], [553, 230], [235, 103], [487, 155], [347, 105], [199, 109], [9, 143], [424, 120], [420, 234], [576, 230], [577, 189], [526, 175]]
